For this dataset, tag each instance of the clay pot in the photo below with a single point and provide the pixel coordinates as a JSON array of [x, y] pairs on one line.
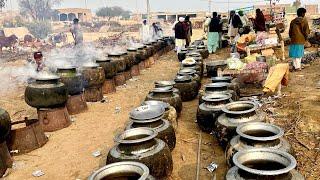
[[46, 92], [5, 125], [187, 87], [71, 79], [140, 145], [161, 126], [263, 163], [120, 61], [209, 111], [235, 114], [257, 135], [123, 170], [93, 74], [109, 66], [28, 137], [166, 95]]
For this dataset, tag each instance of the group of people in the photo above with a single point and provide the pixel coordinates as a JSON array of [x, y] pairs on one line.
[[150, 33], [183, 32]]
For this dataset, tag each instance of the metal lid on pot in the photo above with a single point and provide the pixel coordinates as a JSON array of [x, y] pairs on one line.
[[216, 97], [194, 54], [201, 47], [67, 67], [157, 103], [164, 83], [187, 71], [90, 65], [162, 89], [46, 77], [102, 59], [146, 112], [189, 61], [223, 78], [132, 49], [217, 85], [184, 78]]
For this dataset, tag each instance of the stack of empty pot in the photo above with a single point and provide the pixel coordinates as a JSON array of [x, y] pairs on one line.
[[74, 83], [121, 65], [235, 114], [151, 116], [210, 109], [263, 163], [110, 69], [166, 94], [49, 96], [141, 145], [94, 77], [5, 127], [191, 63]]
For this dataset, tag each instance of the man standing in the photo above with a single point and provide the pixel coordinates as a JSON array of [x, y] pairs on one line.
[[298, 32], [76, 32], [180, 34], [145, 32], [214, 27], [234, 25], [188, 30]]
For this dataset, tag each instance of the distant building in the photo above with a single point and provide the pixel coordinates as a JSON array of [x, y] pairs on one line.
[[68, 14], [170, 16]]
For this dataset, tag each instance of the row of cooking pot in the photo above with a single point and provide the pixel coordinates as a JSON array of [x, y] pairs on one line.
[[49, 91]]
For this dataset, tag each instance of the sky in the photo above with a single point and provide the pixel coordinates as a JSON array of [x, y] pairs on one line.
[[163, 5]]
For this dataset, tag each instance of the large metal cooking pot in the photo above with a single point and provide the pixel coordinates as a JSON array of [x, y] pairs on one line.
[[5, 125], [46, 92], [257, 135], [187, 87], [71, 79], [235, 114], [152, 116], [167, 95], [109, 66], [123, 170], [141, 145], [133, 52], [210, 109], [263, 163], [120, 60], [93, 74]]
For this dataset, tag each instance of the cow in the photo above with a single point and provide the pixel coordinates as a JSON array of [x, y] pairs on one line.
[[8, 42]]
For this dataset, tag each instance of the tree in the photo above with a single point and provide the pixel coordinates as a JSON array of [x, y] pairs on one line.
[[39, 29], [38, 9], [113, 12]]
